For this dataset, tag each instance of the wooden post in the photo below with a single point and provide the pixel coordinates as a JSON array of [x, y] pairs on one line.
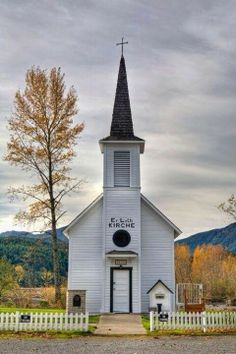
[[151, 321], [17, 315], [204, 324], [86, 321]]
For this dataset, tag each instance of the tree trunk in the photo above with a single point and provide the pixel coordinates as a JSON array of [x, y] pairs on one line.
[[56, 266]]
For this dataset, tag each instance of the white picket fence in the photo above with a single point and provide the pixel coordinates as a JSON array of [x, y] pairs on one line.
[[205, 321], [43, 321]]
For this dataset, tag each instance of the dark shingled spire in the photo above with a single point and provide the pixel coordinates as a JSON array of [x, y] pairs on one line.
[[122, 125]]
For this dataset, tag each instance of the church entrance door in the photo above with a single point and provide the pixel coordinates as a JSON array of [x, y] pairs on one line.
[[121, 290]]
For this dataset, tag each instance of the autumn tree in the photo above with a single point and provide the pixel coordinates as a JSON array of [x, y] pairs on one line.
[[207, 269], [229, 275], [46, 276], [42, 137], [7, 277], [182, 264]]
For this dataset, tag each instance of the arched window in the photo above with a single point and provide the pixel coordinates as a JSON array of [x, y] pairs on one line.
[[76, 301]]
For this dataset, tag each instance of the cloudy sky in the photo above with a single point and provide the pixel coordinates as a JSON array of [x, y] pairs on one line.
[[182, 80]]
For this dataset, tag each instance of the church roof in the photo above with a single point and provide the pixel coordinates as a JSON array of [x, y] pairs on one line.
[[177, 231], [122, 124]]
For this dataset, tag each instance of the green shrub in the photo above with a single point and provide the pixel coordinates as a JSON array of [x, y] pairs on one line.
[[44, 304]]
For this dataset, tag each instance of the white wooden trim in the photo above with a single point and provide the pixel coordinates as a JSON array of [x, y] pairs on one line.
[[141, 143]]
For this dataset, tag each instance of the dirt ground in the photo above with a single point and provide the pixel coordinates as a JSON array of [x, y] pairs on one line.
[[119, 345]]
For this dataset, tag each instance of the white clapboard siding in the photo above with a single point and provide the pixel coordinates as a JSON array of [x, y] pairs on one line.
[[86, 258], [205, 321], [44, 321], [157, 253], [122, 204]]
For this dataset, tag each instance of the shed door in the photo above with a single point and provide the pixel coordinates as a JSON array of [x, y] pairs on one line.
[[121, 290]]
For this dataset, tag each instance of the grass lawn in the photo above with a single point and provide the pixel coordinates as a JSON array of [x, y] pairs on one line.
[[44, 334], [14, 309], [93, 319], [145, 322]]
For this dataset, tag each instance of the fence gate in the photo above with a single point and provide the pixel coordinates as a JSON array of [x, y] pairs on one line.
[[194, 293]]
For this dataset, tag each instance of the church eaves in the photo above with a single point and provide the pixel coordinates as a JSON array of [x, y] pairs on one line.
[[122, 124]]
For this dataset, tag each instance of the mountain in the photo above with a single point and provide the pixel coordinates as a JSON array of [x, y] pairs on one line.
[[35, 235], [225, 236]]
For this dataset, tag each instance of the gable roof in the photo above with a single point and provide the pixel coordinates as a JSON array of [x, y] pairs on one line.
[[85, 211], [91, 205], [161, 282], [152, 206]]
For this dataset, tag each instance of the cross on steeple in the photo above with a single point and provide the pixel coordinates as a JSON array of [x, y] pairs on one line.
[[122, 45]]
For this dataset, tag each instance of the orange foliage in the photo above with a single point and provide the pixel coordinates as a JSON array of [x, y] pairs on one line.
[[182, 264], [210, 265]]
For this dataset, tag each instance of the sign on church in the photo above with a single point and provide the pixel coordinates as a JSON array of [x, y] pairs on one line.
[[123, 223]]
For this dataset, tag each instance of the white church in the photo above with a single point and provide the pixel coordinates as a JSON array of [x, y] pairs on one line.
[[121, 247]]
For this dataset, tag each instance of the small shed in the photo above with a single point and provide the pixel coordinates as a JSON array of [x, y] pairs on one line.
[[160, 297]]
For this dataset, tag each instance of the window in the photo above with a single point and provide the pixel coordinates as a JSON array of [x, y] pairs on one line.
[[76, 301], [121, 238], [121, 169]]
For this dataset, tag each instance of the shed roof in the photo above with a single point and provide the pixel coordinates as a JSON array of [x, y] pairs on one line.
[[161, 282]]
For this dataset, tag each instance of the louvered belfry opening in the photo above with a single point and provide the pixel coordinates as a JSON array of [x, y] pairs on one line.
[[121, 169]]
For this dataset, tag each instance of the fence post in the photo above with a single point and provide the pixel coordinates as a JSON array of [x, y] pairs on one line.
[[17, 321], [204, 322], [151, 321], [86, 321]]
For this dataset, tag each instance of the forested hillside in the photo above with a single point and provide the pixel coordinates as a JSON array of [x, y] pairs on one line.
[[225, 237], [35, 257]]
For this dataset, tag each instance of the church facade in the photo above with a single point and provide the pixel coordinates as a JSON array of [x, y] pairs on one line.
[[121, 247]]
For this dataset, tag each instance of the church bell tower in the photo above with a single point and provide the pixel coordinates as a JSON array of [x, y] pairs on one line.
[[121, 196]]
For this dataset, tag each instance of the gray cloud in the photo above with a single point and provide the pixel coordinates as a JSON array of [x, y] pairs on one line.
[[181, 71]]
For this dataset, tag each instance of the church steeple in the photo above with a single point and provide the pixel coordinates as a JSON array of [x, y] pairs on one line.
[[122, 125]]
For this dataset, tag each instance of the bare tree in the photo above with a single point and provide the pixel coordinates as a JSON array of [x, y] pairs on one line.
[[229, 207]]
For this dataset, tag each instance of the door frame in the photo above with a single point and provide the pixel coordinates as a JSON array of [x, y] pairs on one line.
[[130, 286]]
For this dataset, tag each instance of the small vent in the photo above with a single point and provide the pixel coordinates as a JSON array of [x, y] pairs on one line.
[[121, 168]]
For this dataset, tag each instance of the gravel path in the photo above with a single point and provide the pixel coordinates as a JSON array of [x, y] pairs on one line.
[[112, 345]]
